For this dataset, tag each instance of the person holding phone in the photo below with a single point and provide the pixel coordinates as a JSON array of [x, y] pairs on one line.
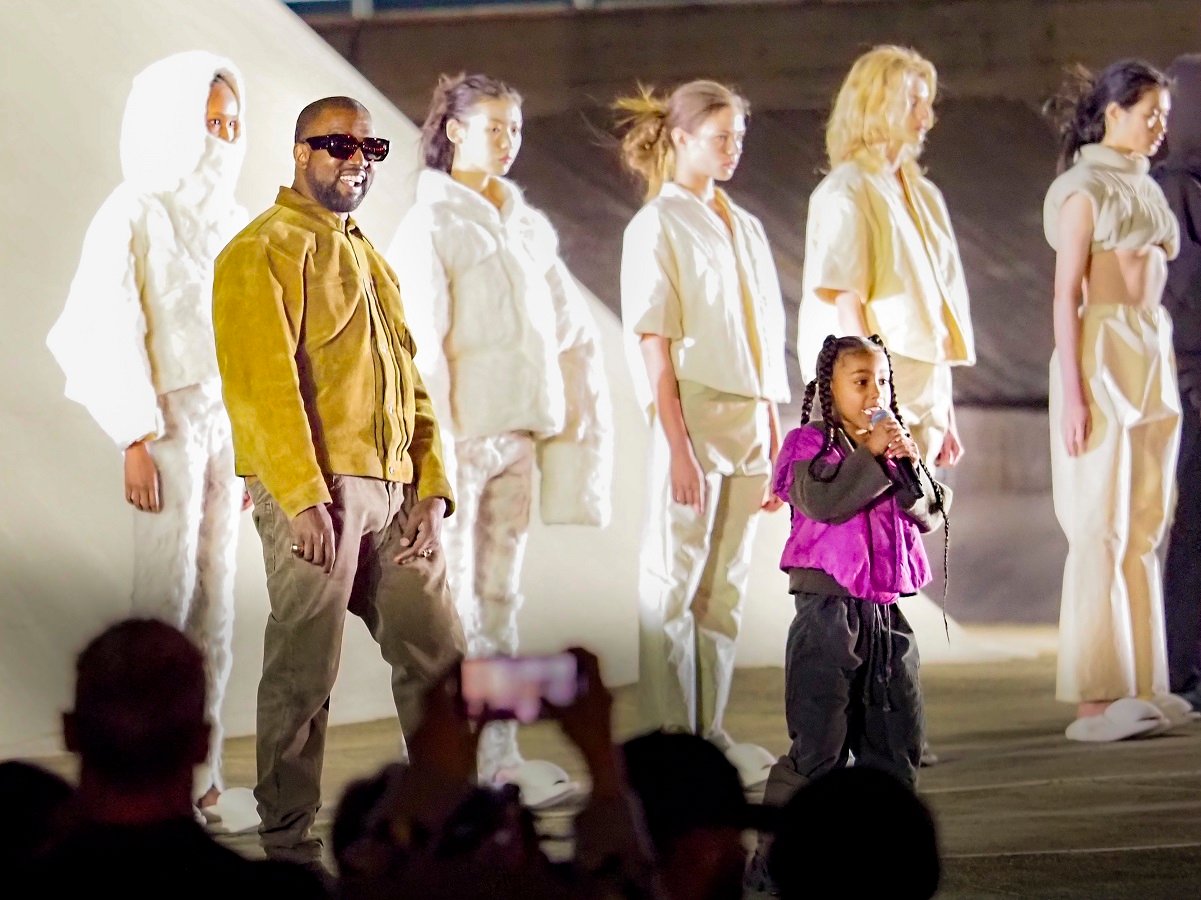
[[433, 831]]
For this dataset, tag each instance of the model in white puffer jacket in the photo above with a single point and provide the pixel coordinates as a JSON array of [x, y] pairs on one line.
[[505, 339], [135, 342], [509, 352]]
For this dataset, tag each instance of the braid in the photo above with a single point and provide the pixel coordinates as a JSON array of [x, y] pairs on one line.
[[825, 371], [938, 496], [807, 404]]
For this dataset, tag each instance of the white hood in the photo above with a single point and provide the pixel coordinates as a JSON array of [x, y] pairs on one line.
[[163, 137]]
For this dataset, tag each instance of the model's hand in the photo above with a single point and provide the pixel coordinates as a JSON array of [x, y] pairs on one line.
[[1076, 424], [952, 449], [247, 500], [141, 478], [422, 530], [884, 436], [770, 501], [687, 479], [313, 537]]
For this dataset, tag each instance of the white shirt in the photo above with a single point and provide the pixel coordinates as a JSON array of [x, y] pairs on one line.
[[1129, 209], [898, 254], [682, 278]]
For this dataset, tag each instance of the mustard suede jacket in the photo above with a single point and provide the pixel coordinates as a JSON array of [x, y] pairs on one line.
[[316, 360]]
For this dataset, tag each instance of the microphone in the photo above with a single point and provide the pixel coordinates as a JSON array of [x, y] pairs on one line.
[[906, 476]]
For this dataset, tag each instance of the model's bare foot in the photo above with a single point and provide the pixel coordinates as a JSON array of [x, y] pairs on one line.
[[1092, 708], [208, 798]]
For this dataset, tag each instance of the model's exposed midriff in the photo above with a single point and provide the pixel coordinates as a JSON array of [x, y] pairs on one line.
[[1129, 277]]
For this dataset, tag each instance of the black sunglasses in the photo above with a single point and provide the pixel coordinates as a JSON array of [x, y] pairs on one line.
[[344, 146]]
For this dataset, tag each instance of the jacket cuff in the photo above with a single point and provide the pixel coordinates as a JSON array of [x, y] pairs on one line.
[[297, 499], [431, 481]]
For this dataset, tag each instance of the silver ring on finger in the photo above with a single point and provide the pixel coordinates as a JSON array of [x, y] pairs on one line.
[[296, 549], [426, 553]]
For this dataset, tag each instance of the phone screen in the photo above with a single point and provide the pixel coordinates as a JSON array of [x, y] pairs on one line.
[[517, 687]]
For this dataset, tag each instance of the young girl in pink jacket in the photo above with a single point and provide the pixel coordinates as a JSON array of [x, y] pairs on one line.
[[851, 688], [851, 667]]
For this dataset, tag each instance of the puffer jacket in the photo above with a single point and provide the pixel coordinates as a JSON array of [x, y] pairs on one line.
[[505, 340], [138, 319]]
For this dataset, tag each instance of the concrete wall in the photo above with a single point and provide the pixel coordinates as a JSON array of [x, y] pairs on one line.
[[785, 55]]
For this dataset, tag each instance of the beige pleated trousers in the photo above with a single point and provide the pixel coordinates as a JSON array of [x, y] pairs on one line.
[[1113, 503], [923, 392], [695, 566]]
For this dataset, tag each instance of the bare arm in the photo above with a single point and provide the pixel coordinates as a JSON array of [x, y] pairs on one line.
[[851, 317], [687, 479], [1071, 268], [770, 501]]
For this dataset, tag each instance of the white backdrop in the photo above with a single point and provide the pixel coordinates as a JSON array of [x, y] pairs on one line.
[[65, 545]]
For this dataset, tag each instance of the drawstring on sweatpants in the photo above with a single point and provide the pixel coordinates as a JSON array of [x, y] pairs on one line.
[[879, 648]]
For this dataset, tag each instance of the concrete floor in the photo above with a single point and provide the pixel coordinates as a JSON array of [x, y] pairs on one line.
[[1022, 812]]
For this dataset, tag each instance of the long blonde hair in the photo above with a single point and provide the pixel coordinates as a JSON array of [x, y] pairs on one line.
[[645, 121], [869, 111]]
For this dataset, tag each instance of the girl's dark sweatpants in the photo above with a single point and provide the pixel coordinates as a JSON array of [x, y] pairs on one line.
[[851, 688]]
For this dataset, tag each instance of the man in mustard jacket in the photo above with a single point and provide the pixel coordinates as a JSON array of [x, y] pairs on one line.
[[335, 434]]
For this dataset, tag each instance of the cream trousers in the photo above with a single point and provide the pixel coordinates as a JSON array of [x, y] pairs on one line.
[[185, 554], [923, 392], [1113, 503], [485, 546], [694, 567]]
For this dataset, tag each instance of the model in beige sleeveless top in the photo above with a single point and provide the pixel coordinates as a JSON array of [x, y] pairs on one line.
[[1114, 405]]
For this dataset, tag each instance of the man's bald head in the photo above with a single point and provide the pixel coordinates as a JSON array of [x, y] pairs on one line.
[[307, 121]]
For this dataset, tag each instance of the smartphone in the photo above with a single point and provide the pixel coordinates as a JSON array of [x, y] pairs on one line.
[[517, 687]]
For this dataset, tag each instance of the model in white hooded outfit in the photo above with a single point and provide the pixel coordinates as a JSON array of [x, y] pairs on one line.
[[136, 344], [509, 353]]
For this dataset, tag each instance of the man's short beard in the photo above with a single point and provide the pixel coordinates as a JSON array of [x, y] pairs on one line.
[[328, 196]]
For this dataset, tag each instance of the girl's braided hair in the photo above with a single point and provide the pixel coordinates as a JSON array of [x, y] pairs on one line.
[[820, 387]]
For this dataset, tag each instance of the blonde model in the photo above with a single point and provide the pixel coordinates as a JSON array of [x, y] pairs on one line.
[[880, 253], [510, 353], [701, 299], [136, 344], [1114, 403]]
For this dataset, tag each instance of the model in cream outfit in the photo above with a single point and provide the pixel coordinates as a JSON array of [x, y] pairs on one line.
[[136, 344], [509, 351], [886, 237], [701, 299], [1113, 499], [880, 252], [1115, 417]]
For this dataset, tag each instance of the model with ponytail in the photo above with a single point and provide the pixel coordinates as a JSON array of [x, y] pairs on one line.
[[1114, 403], [702, 308], [510, 354]]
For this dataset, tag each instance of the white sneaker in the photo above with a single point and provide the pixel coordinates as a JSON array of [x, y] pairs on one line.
[[752, 762], [542, 783], [1176, 710], [235, 812], [1122, 719]]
